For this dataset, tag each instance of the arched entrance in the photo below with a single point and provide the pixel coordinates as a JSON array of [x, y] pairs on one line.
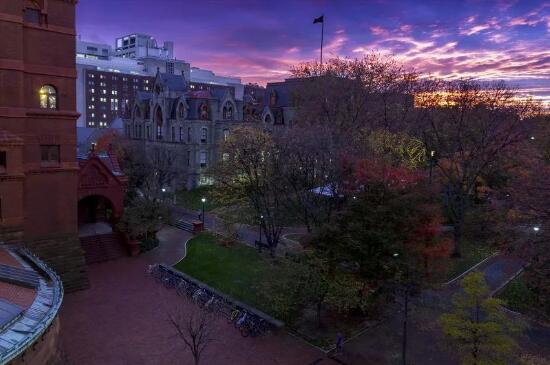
[[95, 216], [101, 203]]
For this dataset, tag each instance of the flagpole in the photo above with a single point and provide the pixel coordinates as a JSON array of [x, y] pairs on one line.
[[322, 34]]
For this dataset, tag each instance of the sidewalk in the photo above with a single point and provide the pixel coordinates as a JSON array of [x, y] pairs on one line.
[[247, 234], [426, 344], [122, 319]]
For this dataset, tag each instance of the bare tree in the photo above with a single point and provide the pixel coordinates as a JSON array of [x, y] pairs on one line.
[[309, 172], [348, 95], [247, 173], [152, 167], [194, 329], [471, 127]]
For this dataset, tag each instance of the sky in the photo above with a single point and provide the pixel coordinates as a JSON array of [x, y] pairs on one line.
[[259, 41]]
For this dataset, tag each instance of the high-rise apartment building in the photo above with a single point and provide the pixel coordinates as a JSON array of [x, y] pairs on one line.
[[109, 79]]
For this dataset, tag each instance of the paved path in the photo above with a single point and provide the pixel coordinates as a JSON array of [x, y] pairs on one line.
[[426, 343], [247, 234], [122, 319]]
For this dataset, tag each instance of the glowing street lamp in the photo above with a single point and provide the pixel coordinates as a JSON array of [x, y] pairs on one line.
[[536, 228], [203, 200], [261, 220]]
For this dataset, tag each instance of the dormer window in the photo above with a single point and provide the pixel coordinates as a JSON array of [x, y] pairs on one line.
[[203, 112], [158, 89]]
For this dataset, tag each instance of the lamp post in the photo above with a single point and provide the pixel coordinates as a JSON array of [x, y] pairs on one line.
[[203, 200], [432, 155], [406, 293], [261, 220]]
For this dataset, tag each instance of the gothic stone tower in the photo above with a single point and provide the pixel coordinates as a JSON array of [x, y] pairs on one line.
[[38, 167]]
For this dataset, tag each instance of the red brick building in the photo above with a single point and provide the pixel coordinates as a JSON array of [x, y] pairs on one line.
[[38, 166]]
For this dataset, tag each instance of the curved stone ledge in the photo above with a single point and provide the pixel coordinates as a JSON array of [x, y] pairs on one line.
[[18, 339]]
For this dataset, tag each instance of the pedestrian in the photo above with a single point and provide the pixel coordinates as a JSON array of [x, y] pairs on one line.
[[339, 343]]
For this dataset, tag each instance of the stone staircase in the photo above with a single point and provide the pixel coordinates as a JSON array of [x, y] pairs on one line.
[[184, 225], [102, 247]]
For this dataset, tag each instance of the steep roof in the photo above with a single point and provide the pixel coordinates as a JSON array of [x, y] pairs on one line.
[[173, 82]]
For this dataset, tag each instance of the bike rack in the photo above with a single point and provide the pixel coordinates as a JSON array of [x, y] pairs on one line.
[[234, 302]]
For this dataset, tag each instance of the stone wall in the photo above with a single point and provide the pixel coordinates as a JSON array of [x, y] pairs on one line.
[[46, 350]]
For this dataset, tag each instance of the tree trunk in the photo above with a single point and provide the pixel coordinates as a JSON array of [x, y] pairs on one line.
[[457, 235], [405, 317], [319, 307]]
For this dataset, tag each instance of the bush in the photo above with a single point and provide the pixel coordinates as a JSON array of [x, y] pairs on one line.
[[518, 296], [149, 243]]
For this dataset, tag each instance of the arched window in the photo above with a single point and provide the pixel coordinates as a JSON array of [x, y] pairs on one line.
[[272, 98], [158, 122], [181, 111], [203, 111], [225, 134], [48, 97], [204, 135], [228, 111], [267, 118]]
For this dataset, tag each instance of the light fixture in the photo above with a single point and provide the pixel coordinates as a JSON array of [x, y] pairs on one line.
[[536, 228], [203, 200]]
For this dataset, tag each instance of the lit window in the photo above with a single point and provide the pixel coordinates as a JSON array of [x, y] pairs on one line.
[[114, 92], [93, 115], [104, 116], [104, 91], [225, 134], [102, 84], [48, 97], [146, 81], [92, 90], [91, 106], [92, 98], [91, 76], [101, 76]]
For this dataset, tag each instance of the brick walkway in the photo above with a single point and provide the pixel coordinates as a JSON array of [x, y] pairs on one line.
[[122, 320]]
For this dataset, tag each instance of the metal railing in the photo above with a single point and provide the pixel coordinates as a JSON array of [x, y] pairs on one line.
[[46, 321]]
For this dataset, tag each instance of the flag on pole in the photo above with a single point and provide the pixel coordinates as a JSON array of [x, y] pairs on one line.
[[320, 19]]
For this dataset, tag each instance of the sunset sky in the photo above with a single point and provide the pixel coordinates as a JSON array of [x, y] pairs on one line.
[[260, 40]]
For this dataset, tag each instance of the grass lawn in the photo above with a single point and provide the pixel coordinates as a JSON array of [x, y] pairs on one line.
[[191, 199], [241, 272], [472, 253], [237, 270]]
